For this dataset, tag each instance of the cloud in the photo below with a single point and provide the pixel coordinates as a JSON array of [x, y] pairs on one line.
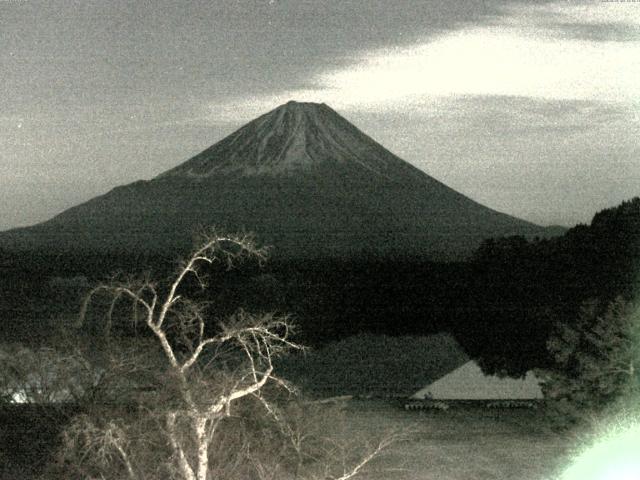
[[590, 12], [553, 52], [497, 61], [595, 21], [597, 31]]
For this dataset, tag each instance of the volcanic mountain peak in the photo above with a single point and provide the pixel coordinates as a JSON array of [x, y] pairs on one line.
[[295, 107], [291, 138], [301, 177], [294, 116]]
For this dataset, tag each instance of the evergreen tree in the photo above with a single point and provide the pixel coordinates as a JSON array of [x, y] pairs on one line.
[[597, 361]]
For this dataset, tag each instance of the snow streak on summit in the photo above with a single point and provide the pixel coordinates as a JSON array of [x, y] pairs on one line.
[[294, 137], [304, 180]]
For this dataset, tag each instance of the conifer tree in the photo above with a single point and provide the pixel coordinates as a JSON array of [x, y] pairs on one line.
[[597, 361]]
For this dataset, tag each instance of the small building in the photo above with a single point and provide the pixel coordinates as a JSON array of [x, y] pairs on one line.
[[468, 382]]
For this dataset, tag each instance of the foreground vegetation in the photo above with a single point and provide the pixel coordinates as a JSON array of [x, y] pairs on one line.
[[169, 380], [457, 444], [192, 397]]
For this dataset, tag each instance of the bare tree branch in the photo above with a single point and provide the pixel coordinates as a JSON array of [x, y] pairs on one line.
[[207, 376]]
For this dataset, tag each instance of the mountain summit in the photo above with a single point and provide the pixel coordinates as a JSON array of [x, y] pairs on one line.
[[304, 179], [292, 138]]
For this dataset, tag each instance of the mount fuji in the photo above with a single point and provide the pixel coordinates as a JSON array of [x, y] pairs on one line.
[[304, 180]]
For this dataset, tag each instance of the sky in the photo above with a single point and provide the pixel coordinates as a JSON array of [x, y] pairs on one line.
[[528, 107]]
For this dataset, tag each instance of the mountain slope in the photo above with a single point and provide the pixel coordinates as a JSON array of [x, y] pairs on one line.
[[301, 177]]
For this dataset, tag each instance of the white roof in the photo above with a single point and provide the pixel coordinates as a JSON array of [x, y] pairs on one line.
[[469, 383]]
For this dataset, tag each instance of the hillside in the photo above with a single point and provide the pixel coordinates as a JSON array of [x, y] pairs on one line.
[[301, 177]]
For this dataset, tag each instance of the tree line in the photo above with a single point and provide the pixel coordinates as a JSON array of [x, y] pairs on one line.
[[501, 304]]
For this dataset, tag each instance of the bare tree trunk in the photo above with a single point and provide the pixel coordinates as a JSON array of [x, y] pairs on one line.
[[127, 463], [200, 425], [258, 337], [183, 464]]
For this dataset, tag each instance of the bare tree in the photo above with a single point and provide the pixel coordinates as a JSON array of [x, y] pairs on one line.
[[213, 407], [203, 398], [43, 375]]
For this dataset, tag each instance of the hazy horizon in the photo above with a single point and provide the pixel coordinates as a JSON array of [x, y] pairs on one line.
[[530, 108]]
